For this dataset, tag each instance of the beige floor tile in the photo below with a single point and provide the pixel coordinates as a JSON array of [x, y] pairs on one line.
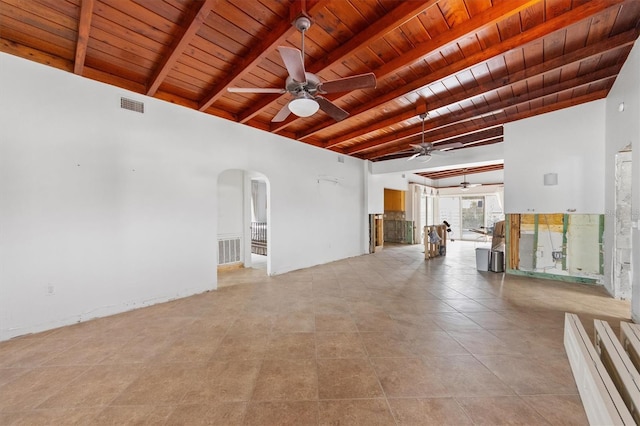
[[533, 375], [347, 379], [295, 322], [387, 344], [333, 344], [139, 349], [503, 410], [559, 409], [289, 380], [134, 415], [293, 413], [453, 321], [407, 377], [428, 411], [335, 323], [291, 346], [482, 342], [490, 320], [34, 352], [33, 387], [56, 416], [223, 380], [97, 386], [242, 346], [251, 324], [428, 342], [7, 375], [160, 384], [534, 342], [379, 321], [464, 375], [192, 347], [355, 412], [467, 305], [212, 413], [94, 351], [340, 345]]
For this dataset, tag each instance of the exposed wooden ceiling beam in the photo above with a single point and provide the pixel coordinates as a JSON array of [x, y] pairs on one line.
[[594, 50], [257, 54], [196, 17], [483, 20], [26, 52], [479, 142], [398, 16], [84, 26], [579, 13], [472, 133], [507, 118], [461, 171], [492, 108], [472, 137]]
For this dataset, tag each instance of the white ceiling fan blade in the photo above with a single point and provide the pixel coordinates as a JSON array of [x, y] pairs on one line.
[[294, 63], [282, 114], [256, 90], [413, 156]]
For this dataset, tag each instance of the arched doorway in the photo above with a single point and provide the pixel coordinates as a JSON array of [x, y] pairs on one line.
[[243, 221]]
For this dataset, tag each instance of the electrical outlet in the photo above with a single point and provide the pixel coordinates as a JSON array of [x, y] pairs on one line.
[[557, 255]]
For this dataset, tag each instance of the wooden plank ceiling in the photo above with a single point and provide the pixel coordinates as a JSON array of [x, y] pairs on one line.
[[472, 64]]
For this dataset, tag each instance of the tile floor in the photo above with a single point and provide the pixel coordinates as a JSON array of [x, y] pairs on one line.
[[383, 339]]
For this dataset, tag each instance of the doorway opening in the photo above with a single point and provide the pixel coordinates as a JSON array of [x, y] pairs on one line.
[[259, 223], [243, 222]]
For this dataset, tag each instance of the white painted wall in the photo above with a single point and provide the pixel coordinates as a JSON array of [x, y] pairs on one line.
[[230, 203], [103, 210], [376, 186], [623, 128], [569, 142]]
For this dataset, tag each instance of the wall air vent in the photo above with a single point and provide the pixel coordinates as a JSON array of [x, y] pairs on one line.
[[228, 250], [130, 104]]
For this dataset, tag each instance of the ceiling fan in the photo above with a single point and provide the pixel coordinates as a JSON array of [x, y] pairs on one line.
[[424, 150], [306, 87], [464, 185]]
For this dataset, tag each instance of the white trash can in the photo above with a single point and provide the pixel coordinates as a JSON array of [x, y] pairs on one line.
[[482, 259]]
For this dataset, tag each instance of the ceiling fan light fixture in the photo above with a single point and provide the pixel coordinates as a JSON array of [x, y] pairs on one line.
[[424, 158], [304, 106]]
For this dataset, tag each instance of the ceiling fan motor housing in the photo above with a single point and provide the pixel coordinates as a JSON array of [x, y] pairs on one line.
[[311, 86], [302, 23]]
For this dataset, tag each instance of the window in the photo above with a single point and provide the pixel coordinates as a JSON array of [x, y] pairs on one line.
[[468, 213]]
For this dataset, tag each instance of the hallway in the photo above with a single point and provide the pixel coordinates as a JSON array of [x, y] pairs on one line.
[[382, 339]]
